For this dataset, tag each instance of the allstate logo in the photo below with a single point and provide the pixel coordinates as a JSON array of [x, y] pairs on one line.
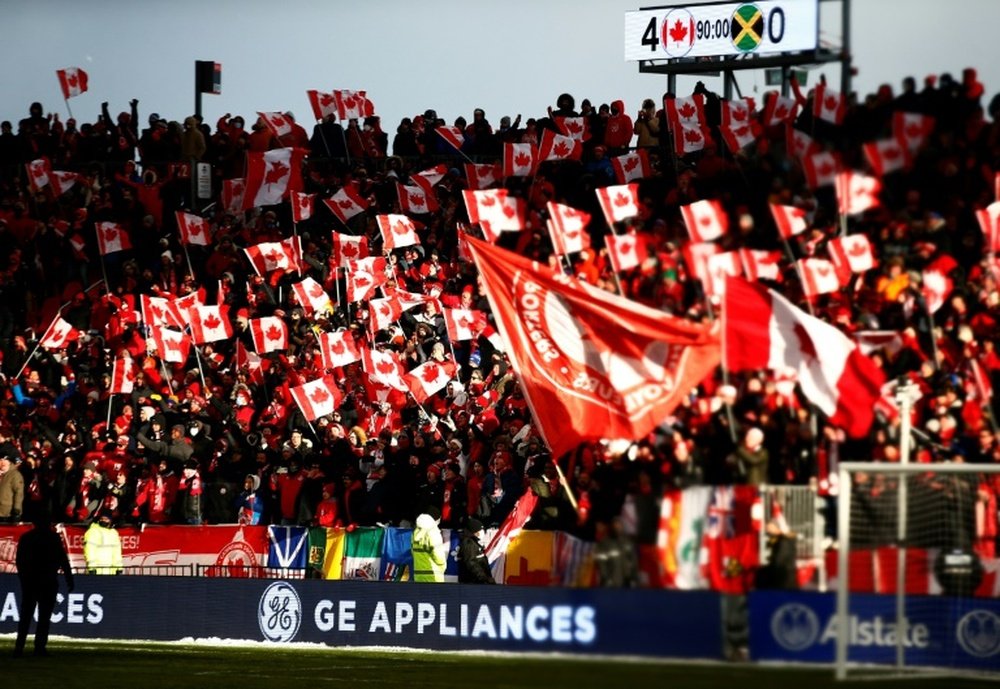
[[279, 612], [978, 633], [795, 626]]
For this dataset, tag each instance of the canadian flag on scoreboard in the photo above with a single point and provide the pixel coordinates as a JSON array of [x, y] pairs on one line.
[[363, 276], [576, 128], [632, 166], [453, 135], [719, 266], [278, 124], [764, 330], [353, 105], [317, 397], [270, 334], [414, 200], [851, 254], [302, 206], [778, 109], [828, 105], [232, 194], [482, 176], [59, 334], [384, 367], [348, 248], [821, 168], [323, 104], [761, 265], [429, 178], [886, 155], [519, 160], [72, 81], [172, 346], [989, 222], [789, 220], [122, 376], [397, 231], [818, 276], [799, 144], [558, 147], [568, 228], [210, 323], [193, 229], [856, 192], [705, 220], [272, 176], [495, 210], [111, 237], [428, 378], [618, 202], [911, 129], [160, 312], [312, 297], [267, 257], [626, 251], [346, 203], [338, 349], [463, 324]]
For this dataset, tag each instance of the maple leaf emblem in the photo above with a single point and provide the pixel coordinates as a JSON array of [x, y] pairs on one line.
[[278, 121], [573, 127], [692, 135], [739, 114], [276, 172], [400, 227], [195, 228], [822, 271], [686, 111], [572, 234], [487, 201], [630, 164], [349, 249], [71, 80], [431, 374], [338, 347], [385, 367], [346, 204], [465, 323], [780, 112], [326, 99], [678, 32], [37, 171], [237, 189], [319, 395], [273, 333], [806, 345], [857, 249], [361, 281], [316, 291], [626, 247], [58, 334], [621, 200], [174, 345], [561, 149], [273, 256], [157, 312], [416, 200], [385, 310], [830, 102], [522, 159], [740, 132], [212, 322], [350, 102], [705, 221], [914, 130], [825, 169], [891, 153], [509, 212], [110, 235]]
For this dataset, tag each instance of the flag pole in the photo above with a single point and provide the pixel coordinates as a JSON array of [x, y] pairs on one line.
[[188, 257], [730, 419], [565, 484], [38, 344], [107, 424], [201, 370], [68, 109]]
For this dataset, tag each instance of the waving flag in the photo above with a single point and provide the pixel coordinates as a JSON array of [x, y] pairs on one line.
[[568, 228], [382, 313], [626, 251], [828, 105], [851, 254], [463, 324], [495, 211], [160, 312], [111, 238], [278, 124], [705, 220], [317, 397], [415, 201], [576, 128], [363, 276], [632, 166], [429, 178], [558, 147], [172, 346], [193, 229], [348, 248], [453, 135], [384, 367], [353, 105], [122, 376], [720, 266], [761, 265], [267, 257], [511, 526], [519, 160], [232, 194], [737, 137], [346, 203], [778, 109], [911, 129], [989, 223], [270, 334], [397, 231], [323, 104], [210, 323], [821, 168], [428, 378], [618, 202], [59, 335], [312, 297], [686, 117], [798, 144], [338, 349], [72, 81], [789, 220], [302, 206], [272, 176], [482, 176], [856, 192], [818, 276], [886, 155]]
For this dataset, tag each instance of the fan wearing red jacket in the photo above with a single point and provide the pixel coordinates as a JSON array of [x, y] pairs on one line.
[[618, 133]]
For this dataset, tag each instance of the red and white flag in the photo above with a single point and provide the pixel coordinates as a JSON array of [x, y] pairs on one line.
[[989, 223], [706, 220], [353, 105], [686, 117], [348, 248], [818, 276], [696, 255], [568, 228], [720, 266], [856, 192], [558, 147], [511, 526], [483, 175], [576, 128], [618, 202], [936, 287], [186, 302], [39, 173], [111, 237], [463, 324], [267, 257], [799, 144], [397, 231], [870, 341], [72, 81], [302, 206], [346, 203], [821, 168], [688, 139], [317, 397], [382, 313], [161, 312], [278, 124], [383, 367], [626, 251], [272, 176], [639, 363], [323, 104], [453, 135], [632, 166], [232, 194], [193, 229], [911, 129], [790, 220], [764, 330], [312, 297], [519, 160], [828, 105], [429, 178], [737, 136], [270, 334], [851, 254], [886, 155], [172, 346], [59, 335], [122, 376], [761, 265], [429, 378], [778, 109], [737, 112], [209, 323], [415, 201], [495, 210], [338, 349], [363, 276]]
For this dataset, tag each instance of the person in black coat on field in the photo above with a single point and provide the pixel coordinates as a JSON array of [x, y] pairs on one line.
[[40, 556]]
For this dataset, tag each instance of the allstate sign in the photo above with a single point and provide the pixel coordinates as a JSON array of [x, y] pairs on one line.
[[938, 631]]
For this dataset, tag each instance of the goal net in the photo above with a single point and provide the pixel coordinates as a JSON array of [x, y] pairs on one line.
[[917, 574]]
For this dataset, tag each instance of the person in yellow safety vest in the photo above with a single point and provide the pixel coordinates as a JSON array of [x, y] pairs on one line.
[[102, 547], [430, 552]]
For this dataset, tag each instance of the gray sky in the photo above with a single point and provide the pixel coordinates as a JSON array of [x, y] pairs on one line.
[[508, 57]]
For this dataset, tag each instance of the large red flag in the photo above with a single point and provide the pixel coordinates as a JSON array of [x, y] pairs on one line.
[[592, 365]]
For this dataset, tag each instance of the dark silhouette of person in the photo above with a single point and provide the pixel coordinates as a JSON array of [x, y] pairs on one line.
[[40, 556]]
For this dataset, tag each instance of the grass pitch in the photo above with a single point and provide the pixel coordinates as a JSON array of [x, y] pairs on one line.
[[74, 664]]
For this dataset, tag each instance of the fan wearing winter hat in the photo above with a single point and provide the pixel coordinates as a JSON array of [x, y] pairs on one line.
[[250, 505], [473, 567]]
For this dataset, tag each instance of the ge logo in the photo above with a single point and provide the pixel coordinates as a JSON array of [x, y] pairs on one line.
[[279, 612], [978, 633], [795, 626]]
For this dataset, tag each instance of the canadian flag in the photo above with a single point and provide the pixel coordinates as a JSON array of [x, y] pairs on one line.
[[312, 297], [626, 251], [193, 229], [911, 129], [317, 397], [122, 376], [278, 124], [384, 368], [64, 181], [821, 168], [161, 312], [429, 178], [463, 324], [763, 330], [270, 334], [640, 362], [39, 173], [353, 105], [363, 276], [737, 112], [511, 526], [828, 105], [209, 323], [346, 203], [568, 228], [79, 247], [482, 176], [818, 276], [632, 166], [576, 128], [323, 104], [737, 137], [687, 122], [232, 194], [856, 192], [111, 237], [519, 160], [558, 147], [798, 143], [719, 266], [696, 255], [397, 231], [72, 81], [184, 303], [338, 349], [59, 334], [270, 256], [348, 248], [272, 176], [495, 210], [618, 202], [761, 265], [302, 206], [415, 200], [171, 345], [705, 220], [886, 155], [453, 135], [384, 312], [689, 139], [778, 109], [851, 254], [789, 220], [989, 222], [428, 378], [935, 286]]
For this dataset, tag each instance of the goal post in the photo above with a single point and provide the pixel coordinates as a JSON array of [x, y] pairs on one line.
[[912, 591]]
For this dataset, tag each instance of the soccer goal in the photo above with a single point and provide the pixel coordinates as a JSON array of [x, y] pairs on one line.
[[916, 591]]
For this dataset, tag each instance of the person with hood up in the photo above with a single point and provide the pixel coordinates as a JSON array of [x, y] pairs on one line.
[[430, 552], [473, 567], [618, 132], [250, 506]]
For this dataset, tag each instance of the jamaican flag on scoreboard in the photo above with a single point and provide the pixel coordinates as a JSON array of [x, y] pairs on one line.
[[747, 27]]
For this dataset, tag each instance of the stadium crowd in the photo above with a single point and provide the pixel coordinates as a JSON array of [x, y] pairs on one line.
[[218, 438]]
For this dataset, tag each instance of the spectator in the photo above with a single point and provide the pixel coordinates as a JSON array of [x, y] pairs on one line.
[[473, 568], [428, 547], [11, 490]]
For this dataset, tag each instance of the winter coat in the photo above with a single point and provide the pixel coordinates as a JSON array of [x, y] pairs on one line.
[[473, 567], [102, 549], [11, 494], [429, 550]]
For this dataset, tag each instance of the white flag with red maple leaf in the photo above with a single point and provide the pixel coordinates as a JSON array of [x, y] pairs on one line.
[[338, 349], [495, 210], [911, 129], [72, 81], [346, 203], [111, 238], [317, 397], [272, 176], [172, 346], [123, 376], [383, 312], [886, 155], [519, 160], [463, 324], [821, 168], [302, 206], [819, 276], [576, 128], [568, 228], [270, 334], [413, 200], [383, 367], [737, 126], [353, 105], [363, 276], [209, 323], [482, 175], [59, 334], [686, 117], [989, 223], [429, 378], [232, 194], [312, 297], [397, 231], [761, 265], [789, 220], [705, 220], [828, 105], [798, 144], [323, 104], [348, 248], [278, 124], [266, 257], [161, 312], [632, 166], [719, 266], [696, 255], [851, 254], [626, 251], [428, 179], [778, 109], [737, 137], [453, 135], [193, 228], [856, 192], [558, 147], [618, 202], [39, 173]]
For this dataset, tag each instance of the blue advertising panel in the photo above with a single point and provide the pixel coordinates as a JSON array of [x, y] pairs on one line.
[[357, 613], [937, 630]]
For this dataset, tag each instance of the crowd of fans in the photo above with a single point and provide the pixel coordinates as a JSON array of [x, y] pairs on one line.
[[217, 440]]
